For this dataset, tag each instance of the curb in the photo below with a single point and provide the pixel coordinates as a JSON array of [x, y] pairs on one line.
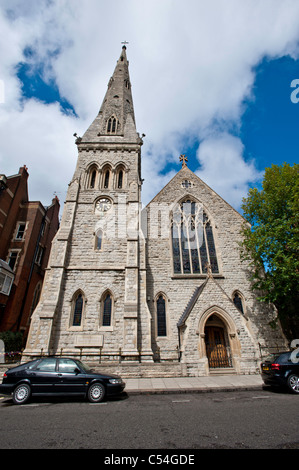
[[194, 390]]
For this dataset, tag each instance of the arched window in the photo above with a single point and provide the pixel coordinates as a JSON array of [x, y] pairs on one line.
[[239, 302], [112, 125], [92, 176], [120, 179], [93, 179], [77, 309], [107, 309], [161, 316], [99, 240], [193, 245], [106, 178]]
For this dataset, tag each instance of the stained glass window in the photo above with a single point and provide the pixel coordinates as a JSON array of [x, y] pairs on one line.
[[193, 244]]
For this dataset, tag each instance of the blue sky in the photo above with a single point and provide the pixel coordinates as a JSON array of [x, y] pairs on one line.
[[212, 81], [270, 123]]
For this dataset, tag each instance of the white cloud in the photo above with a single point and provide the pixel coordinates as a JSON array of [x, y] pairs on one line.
[[191, 66], [224, 169], [39, 137]]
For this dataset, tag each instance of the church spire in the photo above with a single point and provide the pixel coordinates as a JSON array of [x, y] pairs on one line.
[[116, 117]]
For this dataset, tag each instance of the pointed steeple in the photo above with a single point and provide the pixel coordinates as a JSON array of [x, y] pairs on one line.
[[116, 119]]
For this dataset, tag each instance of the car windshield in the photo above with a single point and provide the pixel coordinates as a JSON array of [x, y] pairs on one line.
[[84, 366]]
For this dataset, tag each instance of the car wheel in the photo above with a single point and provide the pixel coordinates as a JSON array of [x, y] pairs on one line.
[[293, 383], [21, 394], [96, 393]]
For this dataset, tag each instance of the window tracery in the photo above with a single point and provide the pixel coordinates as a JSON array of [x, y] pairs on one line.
[[193, 245], [112, 125]]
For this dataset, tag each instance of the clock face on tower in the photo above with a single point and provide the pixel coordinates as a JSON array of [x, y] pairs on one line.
[[103, 205]]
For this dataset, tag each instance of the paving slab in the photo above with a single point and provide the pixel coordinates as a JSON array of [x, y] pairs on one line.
[[193, 384]]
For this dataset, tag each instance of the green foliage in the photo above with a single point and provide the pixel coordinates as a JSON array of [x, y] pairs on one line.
[[12, 341], [271, 244]]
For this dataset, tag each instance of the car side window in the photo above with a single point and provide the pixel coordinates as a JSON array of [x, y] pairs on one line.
[[47, 365], [67, 365]]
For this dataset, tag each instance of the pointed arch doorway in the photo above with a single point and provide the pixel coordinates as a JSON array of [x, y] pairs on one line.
[[217, 343]]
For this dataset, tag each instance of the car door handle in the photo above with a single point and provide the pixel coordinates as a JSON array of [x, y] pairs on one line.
[[59, 375]]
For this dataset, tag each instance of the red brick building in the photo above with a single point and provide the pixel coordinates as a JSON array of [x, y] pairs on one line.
[[26, 232]]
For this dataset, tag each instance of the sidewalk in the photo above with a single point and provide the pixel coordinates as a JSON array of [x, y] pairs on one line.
[[193, 384]]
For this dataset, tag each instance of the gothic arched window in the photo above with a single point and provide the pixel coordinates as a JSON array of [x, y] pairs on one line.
[[93, 178], [161, 316], [99, 240], [106, 178], [193, 245], [239, 302], [107, 303], [120, 179], [112, 125], [77, 309]]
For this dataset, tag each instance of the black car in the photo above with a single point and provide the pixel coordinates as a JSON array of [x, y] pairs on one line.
[[282, 369], [58, 376]]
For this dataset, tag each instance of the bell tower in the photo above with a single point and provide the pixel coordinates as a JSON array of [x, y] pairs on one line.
[[93, 301]]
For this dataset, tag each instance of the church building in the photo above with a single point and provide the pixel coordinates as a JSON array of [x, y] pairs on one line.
[[158, 291]]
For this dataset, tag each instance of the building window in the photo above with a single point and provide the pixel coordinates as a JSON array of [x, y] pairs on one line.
[[20, 231], [193, 245], [161, 316], [99, 240], [93, 179], [5, 283], [12, 259], [39, 255], [120, 179], [77, 310], [239, 302], [106, 179], [112, 125], [107, 310], [186, 184]]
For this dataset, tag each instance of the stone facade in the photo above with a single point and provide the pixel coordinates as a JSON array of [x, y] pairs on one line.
[[122, 289]]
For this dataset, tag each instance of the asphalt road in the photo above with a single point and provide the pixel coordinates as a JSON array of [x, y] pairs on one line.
[[221, 420]]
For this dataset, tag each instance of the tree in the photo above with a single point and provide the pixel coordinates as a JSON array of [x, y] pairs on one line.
[[271, 241]]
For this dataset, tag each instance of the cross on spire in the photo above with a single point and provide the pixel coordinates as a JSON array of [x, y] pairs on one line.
[[183, 159], [124, 43]]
